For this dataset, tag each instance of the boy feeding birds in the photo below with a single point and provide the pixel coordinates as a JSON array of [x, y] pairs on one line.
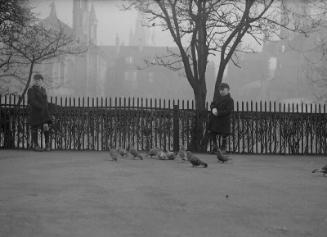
[[220, 118]]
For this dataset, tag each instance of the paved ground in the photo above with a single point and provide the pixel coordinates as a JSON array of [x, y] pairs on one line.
[[84, 194]]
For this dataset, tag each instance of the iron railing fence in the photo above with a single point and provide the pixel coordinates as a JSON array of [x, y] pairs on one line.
[[101, 123]]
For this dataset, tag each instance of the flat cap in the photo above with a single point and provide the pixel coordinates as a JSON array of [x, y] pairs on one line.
[[38, 77], [223, 86]]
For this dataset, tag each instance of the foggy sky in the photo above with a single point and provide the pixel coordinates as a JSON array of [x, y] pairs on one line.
[[112, 20]]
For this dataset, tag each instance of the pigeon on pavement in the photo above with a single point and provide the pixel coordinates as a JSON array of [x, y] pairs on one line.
[[122, 152], [321, 170], [114, 154], [182, 154], [154, 152], [162, 155], [171, 155], [221, 157], [134, 153], [195, 161]]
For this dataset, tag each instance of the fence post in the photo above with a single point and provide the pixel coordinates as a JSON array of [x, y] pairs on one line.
[[176, 128]]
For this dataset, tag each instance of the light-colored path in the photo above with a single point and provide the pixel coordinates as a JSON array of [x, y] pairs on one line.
[[83, 194]]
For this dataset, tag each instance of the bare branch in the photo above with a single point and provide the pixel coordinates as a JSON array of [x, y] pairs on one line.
[[217, 27]]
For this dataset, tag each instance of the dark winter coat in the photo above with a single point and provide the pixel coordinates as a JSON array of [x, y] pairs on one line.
[[221, 124], [38, 105]]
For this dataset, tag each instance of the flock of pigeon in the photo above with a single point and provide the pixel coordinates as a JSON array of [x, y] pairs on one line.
[[182, 154], [157, 153]]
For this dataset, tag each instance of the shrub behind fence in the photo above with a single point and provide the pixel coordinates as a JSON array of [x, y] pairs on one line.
[[101, 123]]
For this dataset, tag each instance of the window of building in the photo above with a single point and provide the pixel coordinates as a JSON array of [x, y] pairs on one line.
[[129, 60]]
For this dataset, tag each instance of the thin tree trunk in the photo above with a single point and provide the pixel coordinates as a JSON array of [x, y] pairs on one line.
[[219, 79], [21, 98], [200, 95], [197, 126]]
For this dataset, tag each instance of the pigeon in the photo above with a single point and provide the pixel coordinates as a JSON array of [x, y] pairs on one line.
[[122, 152], [114, 154], [162, 155], [134, 153], [182, 154], [222, 158], [154, 152], [195, 161], [171, 155], [321, 170]]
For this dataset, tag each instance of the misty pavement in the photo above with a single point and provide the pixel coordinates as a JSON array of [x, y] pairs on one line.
[[85, 194]]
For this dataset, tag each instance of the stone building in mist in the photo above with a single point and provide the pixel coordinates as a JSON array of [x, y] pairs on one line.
[[72, 75], [278, 72], [113, 70], [128, 74]]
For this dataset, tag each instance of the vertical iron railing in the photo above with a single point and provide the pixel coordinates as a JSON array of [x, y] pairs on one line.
[[86, 123]]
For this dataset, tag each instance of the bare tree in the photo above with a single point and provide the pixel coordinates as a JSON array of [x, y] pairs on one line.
[[200, 28], [316, 64], [36, 44], [14, 14], [313, 48]]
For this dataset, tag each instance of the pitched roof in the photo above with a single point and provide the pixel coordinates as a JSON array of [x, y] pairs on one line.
[[53, 21]]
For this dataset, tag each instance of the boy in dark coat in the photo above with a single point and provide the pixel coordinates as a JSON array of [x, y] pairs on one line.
[[39, 114], [220, 118]]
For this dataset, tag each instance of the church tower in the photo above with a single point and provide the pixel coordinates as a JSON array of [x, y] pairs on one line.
[[81, 17], [141, 34], [93, 27], [85, 29], [84, 22]]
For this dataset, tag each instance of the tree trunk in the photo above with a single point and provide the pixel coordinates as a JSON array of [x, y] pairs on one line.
[[200, 94], [22, 96], [219, 79]]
